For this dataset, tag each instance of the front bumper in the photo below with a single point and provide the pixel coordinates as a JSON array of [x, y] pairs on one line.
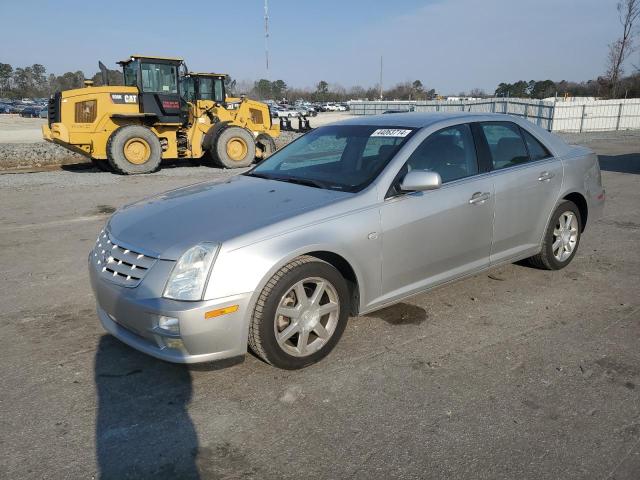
[[132, 315]]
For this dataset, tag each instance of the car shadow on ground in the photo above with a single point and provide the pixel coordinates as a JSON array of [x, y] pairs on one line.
[[143, 428], [627, 163]]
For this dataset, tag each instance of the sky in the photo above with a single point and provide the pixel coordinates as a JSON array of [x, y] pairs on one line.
[[450, 45]]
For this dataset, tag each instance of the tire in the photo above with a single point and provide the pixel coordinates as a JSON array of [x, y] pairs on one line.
[[133, 150], [234, 148], [102, 165], [557, 232], [311, 334], [266, 144]]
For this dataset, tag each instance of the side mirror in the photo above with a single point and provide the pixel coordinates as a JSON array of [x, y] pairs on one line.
[[420, 180]]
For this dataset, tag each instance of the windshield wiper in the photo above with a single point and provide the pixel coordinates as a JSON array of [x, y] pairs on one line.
[[299, 181], [303, 181], [259, 175]]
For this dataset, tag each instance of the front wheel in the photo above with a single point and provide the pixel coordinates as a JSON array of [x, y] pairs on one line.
[[234, 148], [300, 315], [561, 238]]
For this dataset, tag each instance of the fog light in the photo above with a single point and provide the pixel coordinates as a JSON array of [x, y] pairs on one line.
[[174, 343], [169, 324]]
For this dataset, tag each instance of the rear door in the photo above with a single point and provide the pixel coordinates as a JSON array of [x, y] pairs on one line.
[[527, 180]]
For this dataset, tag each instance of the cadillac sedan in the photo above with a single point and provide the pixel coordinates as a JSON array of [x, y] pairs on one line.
[[349, 218]]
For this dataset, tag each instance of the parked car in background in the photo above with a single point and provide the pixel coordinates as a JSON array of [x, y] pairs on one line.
[[44, 113], [350, 218], [286, 111], [306, 111], [31, 112], [4, 108]]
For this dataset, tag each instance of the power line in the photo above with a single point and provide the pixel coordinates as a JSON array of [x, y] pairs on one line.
[[266, 34]]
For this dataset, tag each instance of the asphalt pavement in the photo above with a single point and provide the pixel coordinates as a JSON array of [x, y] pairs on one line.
[[516, 373]]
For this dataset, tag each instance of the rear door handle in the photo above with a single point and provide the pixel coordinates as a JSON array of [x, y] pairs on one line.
[[479, 198], [545, 176]]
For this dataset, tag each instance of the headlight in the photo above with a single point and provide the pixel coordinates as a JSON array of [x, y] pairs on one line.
[[189, 276]]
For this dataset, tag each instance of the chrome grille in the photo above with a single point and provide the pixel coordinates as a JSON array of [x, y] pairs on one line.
[[118, 264]]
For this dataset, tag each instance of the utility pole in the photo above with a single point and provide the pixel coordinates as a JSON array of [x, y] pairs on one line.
[[380, 77], [266, 35]]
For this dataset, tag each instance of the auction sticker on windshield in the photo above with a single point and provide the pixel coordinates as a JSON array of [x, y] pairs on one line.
[[391, 132]]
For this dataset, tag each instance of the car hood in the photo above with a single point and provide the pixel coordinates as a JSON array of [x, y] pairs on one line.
[[166, 225]]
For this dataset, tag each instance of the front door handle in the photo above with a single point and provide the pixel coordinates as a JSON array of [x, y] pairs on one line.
[[545, 176], [479, 198]]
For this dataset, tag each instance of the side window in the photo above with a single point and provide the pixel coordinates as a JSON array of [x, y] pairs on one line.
[[206, 88], [505, 143], [450, 152], [159, 78], [537, 151], [187, 89]]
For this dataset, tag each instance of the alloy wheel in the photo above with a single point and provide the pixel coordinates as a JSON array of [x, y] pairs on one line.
[[565, 236], [307, 316]]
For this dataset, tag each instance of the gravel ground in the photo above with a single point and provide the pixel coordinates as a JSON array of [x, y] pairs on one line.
[[22, 146], [515, 373]]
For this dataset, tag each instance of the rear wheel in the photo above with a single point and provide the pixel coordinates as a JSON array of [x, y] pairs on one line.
[[561, 239], [234, 148], [266, 146], [300, 315], [134, 149]]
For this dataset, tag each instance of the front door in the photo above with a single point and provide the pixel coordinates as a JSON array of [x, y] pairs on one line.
[[434, 236], [160, 95]]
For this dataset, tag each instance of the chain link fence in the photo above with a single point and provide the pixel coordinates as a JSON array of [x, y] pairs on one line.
[[557, 116]]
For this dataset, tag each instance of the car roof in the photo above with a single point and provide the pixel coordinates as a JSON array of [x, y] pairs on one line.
[[421, 119], [424, 119]]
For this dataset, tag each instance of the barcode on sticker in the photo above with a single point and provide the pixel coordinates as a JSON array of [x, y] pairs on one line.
[[391, 132]]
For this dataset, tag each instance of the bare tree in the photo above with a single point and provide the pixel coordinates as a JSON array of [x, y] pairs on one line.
[[629, 13]]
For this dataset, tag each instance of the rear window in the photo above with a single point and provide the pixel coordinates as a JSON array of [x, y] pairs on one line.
[[505, 144], [537, 151]]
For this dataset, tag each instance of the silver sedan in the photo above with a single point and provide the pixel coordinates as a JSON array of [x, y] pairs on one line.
[[350, 218]]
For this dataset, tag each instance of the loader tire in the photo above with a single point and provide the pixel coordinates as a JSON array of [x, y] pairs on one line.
[[234, 147], [134, 149], [266, 145]]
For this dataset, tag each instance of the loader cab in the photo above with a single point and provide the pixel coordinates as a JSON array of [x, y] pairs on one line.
[[203, 86], [159, 89]]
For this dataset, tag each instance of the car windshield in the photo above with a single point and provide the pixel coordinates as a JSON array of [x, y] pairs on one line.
[[337, 157]]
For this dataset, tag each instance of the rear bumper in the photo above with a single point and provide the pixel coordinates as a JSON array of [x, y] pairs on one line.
[[134, 320]]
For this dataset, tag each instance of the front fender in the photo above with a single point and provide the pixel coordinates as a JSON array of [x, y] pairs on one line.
[[249, 268]]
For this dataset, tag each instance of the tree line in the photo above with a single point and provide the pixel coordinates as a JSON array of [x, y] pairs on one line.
[[33, 81], [601, 87], [328, 92]]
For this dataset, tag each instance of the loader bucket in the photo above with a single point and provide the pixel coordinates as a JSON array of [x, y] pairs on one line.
[[303, 124]]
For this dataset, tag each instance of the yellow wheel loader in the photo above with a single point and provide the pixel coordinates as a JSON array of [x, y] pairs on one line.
[[161, 112]]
